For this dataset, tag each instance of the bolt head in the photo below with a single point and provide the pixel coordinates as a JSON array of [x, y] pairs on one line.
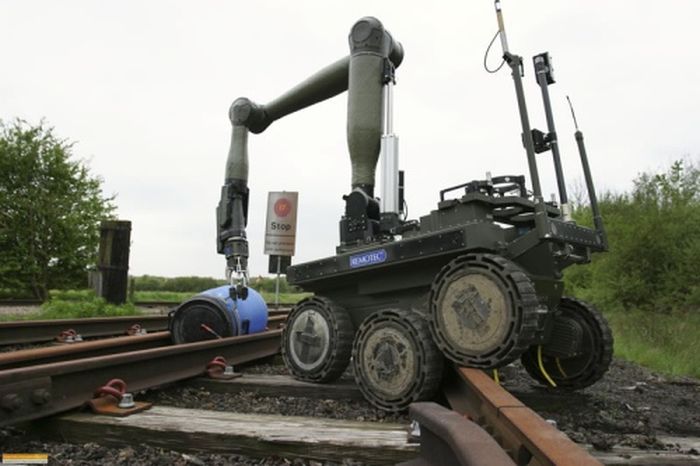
[[41, 396], [127, 401], [11, 402]]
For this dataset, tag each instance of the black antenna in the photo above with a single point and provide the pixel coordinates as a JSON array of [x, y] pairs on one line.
[[592, 198], [573, 114]]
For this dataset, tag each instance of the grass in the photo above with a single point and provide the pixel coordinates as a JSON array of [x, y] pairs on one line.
[[172, 296], [93, 307], [75, 304], [667, 343], [285, 298]]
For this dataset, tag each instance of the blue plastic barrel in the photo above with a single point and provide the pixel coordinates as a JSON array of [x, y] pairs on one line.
[[213, 314], [249, 315]]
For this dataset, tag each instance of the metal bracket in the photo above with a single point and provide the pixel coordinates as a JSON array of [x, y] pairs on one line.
[[69, 336], [108, 406], [219, 369], [112, 399]]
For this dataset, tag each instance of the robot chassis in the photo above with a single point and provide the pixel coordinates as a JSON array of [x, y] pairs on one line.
[[478, 281]]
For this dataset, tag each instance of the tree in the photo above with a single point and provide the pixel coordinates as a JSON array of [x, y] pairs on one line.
[[50, 209]]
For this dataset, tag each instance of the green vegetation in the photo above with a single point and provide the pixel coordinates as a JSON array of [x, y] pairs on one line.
[[94, 307], [647, 284], [179, 296], [51, 210], [170, 296], [75, 304], [285, 298], [177, 289], [668, 343], [197, 284], [176, 284]]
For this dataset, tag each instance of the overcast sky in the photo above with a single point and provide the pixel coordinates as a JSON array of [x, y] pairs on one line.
[[144, 88]]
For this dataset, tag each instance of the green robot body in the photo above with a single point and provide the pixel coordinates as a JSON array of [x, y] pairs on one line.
[[477, 281]]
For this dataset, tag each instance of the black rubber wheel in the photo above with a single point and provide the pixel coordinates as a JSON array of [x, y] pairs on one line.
[[317, 340], [482, 311], [200, 318], [584, 369], [395, 361]]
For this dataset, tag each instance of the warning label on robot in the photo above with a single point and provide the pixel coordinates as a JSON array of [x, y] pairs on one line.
[[281, 223]]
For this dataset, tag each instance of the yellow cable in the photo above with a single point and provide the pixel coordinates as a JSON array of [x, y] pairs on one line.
[[495, 377], [561, 369], [544, 372]]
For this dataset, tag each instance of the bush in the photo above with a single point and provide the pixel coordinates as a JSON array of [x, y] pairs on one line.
[[181, 284], [653, 261], [267, 284], [197, 284]]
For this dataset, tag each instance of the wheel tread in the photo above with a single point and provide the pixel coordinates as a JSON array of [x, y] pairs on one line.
[[601, 364], [524, 294], [431, 369], [340, 341]]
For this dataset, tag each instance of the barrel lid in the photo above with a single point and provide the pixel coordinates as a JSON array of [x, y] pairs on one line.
[[200, 318]]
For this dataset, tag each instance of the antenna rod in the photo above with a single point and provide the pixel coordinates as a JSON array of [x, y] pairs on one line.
[[501, 27], [592, 198], [516, 63]]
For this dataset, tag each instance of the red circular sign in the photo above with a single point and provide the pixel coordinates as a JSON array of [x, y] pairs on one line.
[[283, 207]]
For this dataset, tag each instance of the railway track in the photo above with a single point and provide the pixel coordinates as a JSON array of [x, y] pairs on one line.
[[36, 391], [38, 302], [484, 425], [150, 303], [95, 348], [38, 331]]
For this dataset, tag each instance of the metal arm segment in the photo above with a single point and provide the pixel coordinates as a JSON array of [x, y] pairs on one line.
[[369, 43], [245, 116], [371, 47]]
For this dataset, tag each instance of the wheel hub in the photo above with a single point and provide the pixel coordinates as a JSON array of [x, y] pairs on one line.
[[579, 350], [309, 339], [474, 313], [471, 309], [389, 362], [386, 361]]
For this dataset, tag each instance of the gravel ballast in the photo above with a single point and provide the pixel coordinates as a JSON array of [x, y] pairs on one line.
[[631, 406]]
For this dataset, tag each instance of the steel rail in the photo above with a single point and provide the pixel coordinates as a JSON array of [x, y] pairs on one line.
[[36, 331], [277, 321], [85, 349], [38, 302], [34, 392], [272, 307], [524, 435], [88, 349]]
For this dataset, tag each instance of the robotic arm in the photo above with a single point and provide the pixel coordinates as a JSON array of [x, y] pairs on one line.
[[372, 47]]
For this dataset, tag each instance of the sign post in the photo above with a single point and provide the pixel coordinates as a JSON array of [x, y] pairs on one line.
[[280, 232]]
